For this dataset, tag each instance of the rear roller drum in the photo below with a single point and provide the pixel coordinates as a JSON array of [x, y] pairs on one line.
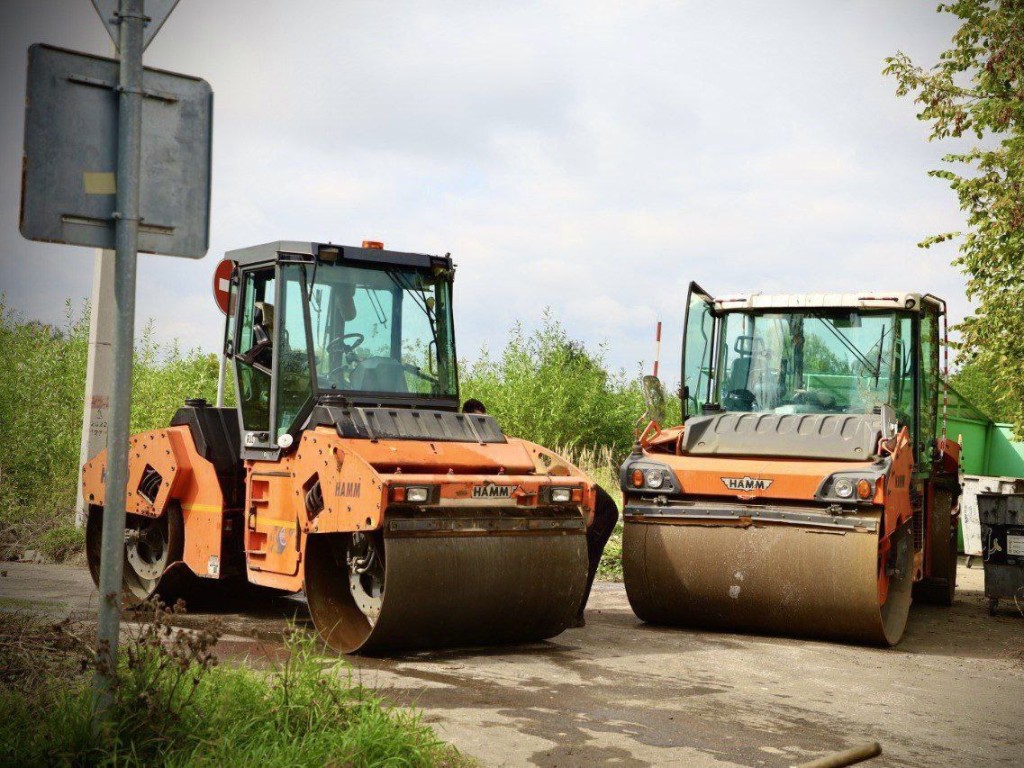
[[151, 546]]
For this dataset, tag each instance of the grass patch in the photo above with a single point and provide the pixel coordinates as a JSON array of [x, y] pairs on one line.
[[610, 567], [602, 466], [176, 707]]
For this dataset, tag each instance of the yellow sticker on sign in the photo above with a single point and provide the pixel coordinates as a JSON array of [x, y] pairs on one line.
[[99, 183]]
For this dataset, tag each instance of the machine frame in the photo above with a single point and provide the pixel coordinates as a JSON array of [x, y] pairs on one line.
[[733, 518], [407, 523]]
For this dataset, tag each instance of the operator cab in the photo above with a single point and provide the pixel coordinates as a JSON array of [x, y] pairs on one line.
[[815, 354], [312, 324]]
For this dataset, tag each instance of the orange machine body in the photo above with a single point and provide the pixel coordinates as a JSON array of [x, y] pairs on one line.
[[176, 474], [358, 479], [754, 482]]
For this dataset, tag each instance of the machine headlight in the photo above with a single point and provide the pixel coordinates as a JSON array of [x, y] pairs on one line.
[[843, 487], [854, 487], [417, 494], [561, 495], [648, 475]]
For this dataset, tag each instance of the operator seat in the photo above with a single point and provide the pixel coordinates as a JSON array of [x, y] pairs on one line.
[[739, 371], [737, 395], [379, 374]]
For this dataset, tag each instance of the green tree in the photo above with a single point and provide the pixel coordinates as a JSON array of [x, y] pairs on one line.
[[977, 90], [975, 383]]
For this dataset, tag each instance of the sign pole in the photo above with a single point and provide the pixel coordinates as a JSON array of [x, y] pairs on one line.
[[129, 143]]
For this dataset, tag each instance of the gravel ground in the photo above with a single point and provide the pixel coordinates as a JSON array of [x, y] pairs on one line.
[[619, 692]]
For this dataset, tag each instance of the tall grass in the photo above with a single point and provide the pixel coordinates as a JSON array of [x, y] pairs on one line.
[[174, 706], [42, 370]]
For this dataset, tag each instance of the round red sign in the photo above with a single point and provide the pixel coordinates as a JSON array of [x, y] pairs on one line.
[[222, 284]]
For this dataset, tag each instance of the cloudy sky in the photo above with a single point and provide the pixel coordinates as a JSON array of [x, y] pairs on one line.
[[591, 157]]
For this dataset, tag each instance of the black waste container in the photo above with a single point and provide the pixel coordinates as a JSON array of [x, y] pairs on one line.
[[1002, 546]]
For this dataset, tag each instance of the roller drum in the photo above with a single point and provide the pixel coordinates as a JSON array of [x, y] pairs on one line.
[[769, 578], [451, 588]]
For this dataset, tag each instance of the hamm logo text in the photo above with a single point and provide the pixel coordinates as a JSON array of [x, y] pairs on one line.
[[746, 484], [492, 491]]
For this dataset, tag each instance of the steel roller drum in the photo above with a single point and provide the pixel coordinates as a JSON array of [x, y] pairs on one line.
[[775, 579], [464, 581]]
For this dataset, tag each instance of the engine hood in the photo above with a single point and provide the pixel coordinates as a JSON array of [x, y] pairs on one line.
[[820, 436]]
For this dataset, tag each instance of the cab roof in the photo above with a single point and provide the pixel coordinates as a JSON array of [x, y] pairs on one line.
[[901, 300], [303, 250]]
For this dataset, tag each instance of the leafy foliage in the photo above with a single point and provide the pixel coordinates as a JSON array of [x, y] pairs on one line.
[[547, 388], [41, 419], [977, 89], [974, 382]]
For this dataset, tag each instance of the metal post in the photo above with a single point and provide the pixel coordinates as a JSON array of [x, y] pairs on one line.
[[129, 142], [98, 370], [220, 380]]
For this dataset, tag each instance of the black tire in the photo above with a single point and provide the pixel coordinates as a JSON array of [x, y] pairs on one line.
[[149, 557], [941, 590]]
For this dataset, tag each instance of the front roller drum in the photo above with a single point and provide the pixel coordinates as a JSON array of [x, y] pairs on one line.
[[775, 579], [410, 588]]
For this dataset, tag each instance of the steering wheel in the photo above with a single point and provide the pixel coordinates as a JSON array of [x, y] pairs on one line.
[[339, 344]]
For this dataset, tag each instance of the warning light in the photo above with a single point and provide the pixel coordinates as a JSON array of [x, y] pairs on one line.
[[637, 478], [863, 489], [373, 244]]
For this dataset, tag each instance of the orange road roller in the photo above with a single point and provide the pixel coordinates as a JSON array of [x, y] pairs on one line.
[[811, 489], [347, 470]]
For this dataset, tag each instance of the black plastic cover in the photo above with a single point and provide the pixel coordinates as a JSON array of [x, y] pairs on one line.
[[217, 438], [216, 435], [408, 424], [834, 436]]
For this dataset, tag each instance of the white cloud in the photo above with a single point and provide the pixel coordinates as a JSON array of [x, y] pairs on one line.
[[590, 157]]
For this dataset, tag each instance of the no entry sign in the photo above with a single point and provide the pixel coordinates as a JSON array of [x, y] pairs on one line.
[[222, 284]]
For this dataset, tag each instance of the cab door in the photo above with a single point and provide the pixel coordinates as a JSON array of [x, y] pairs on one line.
[[698, 349], [253, 356]]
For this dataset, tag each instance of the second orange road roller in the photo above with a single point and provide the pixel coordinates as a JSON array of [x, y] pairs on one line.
[[347, 471], [810, 489]]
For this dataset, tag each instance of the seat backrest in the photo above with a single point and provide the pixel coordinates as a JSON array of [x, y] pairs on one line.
[[379, 374], [739, 373]]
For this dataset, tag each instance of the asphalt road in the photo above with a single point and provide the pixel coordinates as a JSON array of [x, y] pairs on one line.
[[622, 693]]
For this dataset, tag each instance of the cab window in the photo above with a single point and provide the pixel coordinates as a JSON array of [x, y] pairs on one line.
[[254, 355]]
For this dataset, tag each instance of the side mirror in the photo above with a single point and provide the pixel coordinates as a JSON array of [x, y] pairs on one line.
[[654, 397], [890, 425]]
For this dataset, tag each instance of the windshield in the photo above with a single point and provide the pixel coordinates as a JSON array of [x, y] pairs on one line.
[[382, 330], [823, 361]]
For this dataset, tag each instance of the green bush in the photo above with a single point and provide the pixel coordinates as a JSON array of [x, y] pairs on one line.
[[974, 381], [41, 419], [549, 389]]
